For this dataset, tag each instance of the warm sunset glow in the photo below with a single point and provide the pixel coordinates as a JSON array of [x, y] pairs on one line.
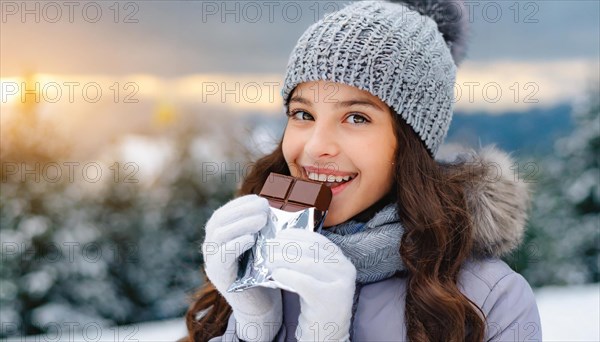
[[513, 86], [10, 93], [494, 87]]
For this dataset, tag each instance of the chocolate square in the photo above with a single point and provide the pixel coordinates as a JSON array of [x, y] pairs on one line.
[[277, 187], [293, 194]]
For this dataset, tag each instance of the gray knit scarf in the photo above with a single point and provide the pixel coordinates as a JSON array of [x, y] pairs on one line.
[[373, 247]]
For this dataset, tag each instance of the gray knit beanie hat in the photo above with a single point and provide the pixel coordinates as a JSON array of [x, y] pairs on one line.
[[404, 52]]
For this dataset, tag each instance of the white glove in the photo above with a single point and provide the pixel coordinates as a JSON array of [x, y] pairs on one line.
[[229, 233], [315, 268]]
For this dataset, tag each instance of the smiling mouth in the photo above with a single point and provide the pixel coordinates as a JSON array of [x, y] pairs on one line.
[[329, 180]]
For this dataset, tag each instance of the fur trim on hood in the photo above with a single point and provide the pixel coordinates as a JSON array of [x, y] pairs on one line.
[[499, 203]]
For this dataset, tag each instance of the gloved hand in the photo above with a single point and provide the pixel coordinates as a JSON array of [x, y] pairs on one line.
[[229, 233], [315, 268]]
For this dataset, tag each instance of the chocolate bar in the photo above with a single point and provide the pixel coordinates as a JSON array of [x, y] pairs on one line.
[[295, 204], [293, 194]]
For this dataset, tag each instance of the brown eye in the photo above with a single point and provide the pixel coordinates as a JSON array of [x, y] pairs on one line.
[[300, 115], [357, 119]]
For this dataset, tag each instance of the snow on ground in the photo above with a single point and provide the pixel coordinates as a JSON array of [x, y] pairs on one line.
[[159, 331], [568, 314]]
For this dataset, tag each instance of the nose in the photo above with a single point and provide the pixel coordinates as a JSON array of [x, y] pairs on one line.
[[322, 142]]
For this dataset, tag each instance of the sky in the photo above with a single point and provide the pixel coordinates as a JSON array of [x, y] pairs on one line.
[[521, 54], [176, 38]]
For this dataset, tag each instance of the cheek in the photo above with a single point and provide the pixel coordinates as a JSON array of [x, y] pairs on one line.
[[291, 152], [376, 160]]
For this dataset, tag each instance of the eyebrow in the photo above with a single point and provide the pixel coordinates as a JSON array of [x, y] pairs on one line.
[[348, 103]]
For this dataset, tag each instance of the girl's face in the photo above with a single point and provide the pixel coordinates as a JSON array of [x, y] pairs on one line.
[[343, 136]]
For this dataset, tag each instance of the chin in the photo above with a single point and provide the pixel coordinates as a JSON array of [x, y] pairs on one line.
[[328, 223], [331, 221]]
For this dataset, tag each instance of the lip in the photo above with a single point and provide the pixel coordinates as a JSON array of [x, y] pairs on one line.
[[339, 188]]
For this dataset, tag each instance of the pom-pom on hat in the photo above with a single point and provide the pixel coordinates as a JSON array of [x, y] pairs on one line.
[[404, 52]]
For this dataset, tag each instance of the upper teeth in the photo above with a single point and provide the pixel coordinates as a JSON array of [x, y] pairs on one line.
[[327, 178]]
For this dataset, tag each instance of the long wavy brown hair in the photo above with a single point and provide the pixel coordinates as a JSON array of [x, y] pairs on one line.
[[437, 240]]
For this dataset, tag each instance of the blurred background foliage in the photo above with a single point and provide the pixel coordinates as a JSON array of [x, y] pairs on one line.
[[562, 244], [111, 250]]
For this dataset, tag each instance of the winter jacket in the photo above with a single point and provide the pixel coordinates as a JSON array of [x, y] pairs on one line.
[[498, 208]]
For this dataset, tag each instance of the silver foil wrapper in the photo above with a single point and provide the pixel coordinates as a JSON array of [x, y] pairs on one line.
[[252, 269]]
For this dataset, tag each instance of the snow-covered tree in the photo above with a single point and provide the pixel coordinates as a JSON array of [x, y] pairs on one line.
[[126, 253], [563, 241]]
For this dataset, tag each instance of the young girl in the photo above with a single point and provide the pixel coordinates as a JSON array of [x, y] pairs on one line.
[[411, 244]]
